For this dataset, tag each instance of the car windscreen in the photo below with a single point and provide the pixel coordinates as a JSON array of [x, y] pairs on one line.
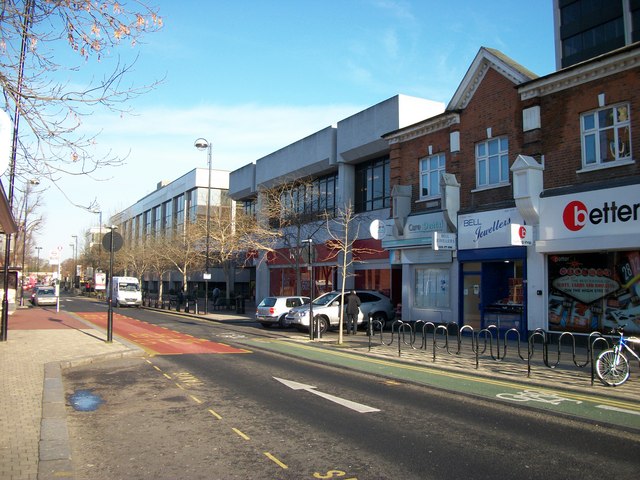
[[268, 302], [325, 299], [46, 292]]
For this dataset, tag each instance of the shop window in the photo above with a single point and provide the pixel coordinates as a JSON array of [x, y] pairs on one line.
[[606, 136], [594, 292], [492, 162], [431, 169], [431, 288]]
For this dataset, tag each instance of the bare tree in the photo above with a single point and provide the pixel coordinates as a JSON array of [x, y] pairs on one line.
[[158, 263], [343, 230], [33, 36], [290, 209], [182, 248]]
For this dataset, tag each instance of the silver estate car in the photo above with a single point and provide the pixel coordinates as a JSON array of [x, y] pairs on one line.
[[272, 310], [326, 308]]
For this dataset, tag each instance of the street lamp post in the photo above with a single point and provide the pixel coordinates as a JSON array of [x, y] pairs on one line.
[[24, 234], [203, 144], [99, 212], [38, 263], [75, 263], [73, 256]]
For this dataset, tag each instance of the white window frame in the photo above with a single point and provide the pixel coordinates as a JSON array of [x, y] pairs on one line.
[[486, 163], [593, 134], [426, 174]]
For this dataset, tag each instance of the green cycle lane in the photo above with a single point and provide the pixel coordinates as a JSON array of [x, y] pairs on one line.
[[574, 403]]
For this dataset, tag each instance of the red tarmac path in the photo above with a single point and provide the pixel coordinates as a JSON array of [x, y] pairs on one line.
[[151, 338]]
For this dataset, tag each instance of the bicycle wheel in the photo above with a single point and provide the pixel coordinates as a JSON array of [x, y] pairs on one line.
[[612, 368]]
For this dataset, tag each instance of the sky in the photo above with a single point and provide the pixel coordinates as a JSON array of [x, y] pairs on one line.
[[253, 76]]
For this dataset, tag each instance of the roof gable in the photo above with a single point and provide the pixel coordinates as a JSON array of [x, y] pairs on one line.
[[487, 58]]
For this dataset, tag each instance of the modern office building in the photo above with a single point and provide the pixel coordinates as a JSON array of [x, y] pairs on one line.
[[167, 211], [587, 28]]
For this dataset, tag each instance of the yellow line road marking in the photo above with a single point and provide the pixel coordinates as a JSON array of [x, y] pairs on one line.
[[196, 399], [240, 433], [215, 414], [275, 460]]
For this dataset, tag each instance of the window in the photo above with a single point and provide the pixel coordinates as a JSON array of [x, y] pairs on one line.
[[372, 185], [249, 207], [431, 288], [192, 205], [606, 136], [431, 169], [178, 213], [310, 198], [492, 162]]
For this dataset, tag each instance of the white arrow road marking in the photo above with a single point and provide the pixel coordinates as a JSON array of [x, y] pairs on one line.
[[358, 407], [617, 409]]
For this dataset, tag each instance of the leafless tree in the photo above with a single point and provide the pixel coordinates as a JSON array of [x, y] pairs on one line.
[[34, 69], [290, 209], [344, 229]]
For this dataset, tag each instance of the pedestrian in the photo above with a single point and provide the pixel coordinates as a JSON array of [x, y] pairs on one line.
[[214, 295], [353, 308]]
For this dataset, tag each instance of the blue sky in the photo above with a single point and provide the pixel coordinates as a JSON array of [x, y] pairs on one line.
[[253, 76]]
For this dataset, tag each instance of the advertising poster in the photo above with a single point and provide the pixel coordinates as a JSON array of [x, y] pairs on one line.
[[594, 292]]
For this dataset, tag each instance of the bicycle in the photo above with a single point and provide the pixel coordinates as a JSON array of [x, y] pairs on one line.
[[612, 366]]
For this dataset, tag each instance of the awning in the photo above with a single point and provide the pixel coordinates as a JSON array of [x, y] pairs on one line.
[[7, 223]]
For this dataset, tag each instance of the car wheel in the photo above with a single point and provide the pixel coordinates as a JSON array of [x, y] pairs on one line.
[[323, 323], [379, 317], [281, 321]]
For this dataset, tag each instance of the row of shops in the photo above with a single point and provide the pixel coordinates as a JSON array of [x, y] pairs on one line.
[[577, 270]]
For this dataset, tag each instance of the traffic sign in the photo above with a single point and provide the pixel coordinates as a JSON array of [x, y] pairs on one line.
[[117, 241]]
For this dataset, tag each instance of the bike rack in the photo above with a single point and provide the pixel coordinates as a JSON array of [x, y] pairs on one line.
[[418, 335]]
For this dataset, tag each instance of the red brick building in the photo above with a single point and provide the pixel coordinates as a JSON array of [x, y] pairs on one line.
[[495, 169]]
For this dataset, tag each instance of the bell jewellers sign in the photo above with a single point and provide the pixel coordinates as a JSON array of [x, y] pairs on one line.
[[613, 211], [488, 229]]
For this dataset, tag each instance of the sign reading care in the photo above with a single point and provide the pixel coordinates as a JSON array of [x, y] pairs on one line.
[[612, 211], [487, 229]]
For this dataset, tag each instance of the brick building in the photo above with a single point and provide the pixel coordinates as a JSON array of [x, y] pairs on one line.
[[515, 156]]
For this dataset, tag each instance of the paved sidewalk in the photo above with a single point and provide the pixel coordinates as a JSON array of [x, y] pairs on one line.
[[34, 441]]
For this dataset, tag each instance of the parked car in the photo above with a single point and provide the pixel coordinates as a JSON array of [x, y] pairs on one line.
[[45, 296], [272, 310], [33, 293], [326, 308]]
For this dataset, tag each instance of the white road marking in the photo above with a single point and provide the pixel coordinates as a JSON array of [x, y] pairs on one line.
[[358, 407], [617, 409]]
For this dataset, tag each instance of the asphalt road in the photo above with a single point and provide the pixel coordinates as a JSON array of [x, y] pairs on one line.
[[232, 416]]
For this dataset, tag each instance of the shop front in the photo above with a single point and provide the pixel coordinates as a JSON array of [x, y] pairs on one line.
[[591, 243], [492, 262], [428, 272]]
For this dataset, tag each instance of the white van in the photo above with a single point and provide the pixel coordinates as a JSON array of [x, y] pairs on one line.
[[126, 292]]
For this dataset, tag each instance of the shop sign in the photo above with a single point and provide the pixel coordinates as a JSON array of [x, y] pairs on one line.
[[378, 229], [612, 211], [487, 229], [521, 234], [421, 226], [444, 241]]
